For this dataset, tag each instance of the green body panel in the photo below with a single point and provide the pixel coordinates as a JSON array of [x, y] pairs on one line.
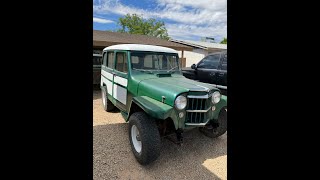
[[221, 104], [147, 89], [153, 107], [170, 87]]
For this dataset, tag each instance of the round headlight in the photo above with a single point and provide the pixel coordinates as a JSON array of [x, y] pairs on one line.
[[180, 102], [216, 97]]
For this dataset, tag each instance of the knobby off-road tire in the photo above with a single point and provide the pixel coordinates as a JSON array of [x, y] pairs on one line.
[[147, 149], [106, 103], [219, 129]]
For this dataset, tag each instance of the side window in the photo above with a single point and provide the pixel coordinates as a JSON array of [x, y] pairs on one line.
[[122, 62], [224, 63], [110, 59], [104, 59], [210, 62]]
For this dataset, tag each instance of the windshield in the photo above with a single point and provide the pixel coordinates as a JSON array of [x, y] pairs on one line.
[[154, 61]]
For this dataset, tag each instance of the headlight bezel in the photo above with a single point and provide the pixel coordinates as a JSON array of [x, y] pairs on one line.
[[179, 99], [216, 97]]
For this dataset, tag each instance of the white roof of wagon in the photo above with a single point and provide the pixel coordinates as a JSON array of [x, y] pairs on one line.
[[140, 47]]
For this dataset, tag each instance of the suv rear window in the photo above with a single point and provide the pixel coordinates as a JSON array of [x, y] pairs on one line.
[[224, 62]]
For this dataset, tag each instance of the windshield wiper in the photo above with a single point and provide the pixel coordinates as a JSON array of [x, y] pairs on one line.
[[144, 70], [169, 71]]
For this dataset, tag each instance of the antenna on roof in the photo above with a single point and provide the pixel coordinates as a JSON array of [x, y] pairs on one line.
[[211, 38], [207, 39]]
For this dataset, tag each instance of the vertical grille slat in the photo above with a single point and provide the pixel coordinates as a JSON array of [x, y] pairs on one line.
[[192, 104], [197, 104]]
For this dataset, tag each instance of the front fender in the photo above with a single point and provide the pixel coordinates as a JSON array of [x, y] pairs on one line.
[[219, 106], [153, 107]]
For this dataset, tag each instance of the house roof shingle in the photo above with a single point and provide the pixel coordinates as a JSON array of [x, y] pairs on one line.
[[106, 38]]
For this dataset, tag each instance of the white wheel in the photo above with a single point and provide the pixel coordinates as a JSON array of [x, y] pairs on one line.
[[144, 137], [103, 98], [135, 137], [107, 104]]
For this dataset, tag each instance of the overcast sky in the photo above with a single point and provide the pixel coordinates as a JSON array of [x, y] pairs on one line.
[[184, 19]]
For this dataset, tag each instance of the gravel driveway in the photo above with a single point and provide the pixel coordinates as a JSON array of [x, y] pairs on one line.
[[198, 158]]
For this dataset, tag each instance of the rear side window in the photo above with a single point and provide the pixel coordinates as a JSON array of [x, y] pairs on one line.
[[110, 59], [122, 62], [224, 62], [104, 59], [210, 62]]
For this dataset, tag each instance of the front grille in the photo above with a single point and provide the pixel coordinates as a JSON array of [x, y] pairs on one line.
[[197, 109]]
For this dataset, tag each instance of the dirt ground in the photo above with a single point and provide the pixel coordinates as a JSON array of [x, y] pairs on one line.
[[198, 158]]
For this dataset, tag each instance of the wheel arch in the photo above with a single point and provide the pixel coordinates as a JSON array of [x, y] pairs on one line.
[[153, 108]]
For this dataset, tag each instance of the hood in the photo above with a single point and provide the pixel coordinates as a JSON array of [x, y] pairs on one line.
[[170, 87]]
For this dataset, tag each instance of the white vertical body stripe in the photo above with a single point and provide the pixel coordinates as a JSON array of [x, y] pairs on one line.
[[120, 94], [120, 80], [107, 74], [108, 83], [109, 87]]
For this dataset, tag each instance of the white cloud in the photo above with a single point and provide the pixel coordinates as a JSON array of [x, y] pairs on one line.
[[183, 31], [213, 5], [101, 20], [190, 17]]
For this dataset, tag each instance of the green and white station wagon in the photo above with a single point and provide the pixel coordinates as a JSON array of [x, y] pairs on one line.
[[146, 84]]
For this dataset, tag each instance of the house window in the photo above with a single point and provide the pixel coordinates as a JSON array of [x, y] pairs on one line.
[[97, 51], [97, 60]]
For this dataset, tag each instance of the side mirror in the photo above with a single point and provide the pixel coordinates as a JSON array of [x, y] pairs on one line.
[[193, 66]]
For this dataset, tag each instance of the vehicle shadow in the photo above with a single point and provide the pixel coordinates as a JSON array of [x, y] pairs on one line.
[[199, 157], [97, 97], [96, 93]]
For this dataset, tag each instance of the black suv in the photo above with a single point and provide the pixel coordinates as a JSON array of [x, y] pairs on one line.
[[211, 69]]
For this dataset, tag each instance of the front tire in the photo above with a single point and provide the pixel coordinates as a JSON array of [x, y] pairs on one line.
[[216, 129], [107, 104], [144, 138]]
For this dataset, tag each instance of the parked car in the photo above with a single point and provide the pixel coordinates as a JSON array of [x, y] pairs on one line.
[[211, 69], [146, 84], [97, 61]]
